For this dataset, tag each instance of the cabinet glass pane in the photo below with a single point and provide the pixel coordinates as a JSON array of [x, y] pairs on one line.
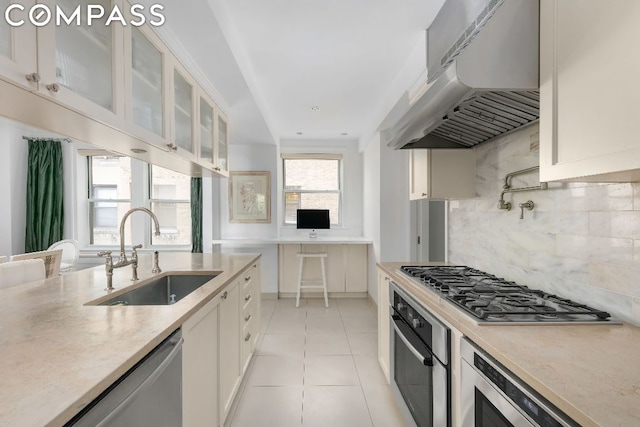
[[183, 113], [222, 144], [206, 131], [146, 83], [5, 32], [84, 55]]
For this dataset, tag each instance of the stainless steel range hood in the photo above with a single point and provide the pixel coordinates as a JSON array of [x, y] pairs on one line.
[[482, 63]]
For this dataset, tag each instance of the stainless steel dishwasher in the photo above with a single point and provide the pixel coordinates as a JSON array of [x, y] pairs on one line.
[[148, 395]]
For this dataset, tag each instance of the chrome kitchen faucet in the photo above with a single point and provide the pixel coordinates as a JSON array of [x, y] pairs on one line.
[[123, 261]]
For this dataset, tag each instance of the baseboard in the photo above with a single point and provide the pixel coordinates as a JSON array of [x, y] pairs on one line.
[[320, 295], [269, 295]]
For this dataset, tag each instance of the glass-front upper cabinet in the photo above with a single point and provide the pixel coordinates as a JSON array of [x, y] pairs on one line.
[[184, 109], [147, 83], [222, 144], [18, 51], [78, 63], [207, 134]]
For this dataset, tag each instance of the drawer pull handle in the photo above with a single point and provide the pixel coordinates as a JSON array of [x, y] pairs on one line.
[[224, 295], [247, 298], [248, 337], [247, 318], [54, 87]]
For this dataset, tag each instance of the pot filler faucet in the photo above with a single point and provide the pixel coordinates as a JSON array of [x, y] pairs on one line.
[[123, 261]]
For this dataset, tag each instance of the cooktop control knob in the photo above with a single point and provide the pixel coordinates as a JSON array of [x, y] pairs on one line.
[[416, 323]]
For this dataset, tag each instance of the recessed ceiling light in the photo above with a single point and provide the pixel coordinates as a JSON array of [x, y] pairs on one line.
[[298, 133], [138, 150], [344, 133], [315, 108]]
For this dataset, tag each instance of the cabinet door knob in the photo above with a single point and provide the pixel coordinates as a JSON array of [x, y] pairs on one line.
[[247, 298], [224, 295], [33, 77], [216, 168], [248, 337], [246, 279], [424, 194], [247, 318], [53, 87]]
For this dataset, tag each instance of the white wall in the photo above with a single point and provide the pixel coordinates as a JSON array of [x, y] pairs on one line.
[[248, 158], [371, 204], [387, 213], [581, 241]]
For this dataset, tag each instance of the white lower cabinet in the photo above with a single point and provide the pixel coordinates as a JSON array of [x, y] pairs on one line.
[[200, 367], [383, 323], [219, 341], [230, 373], [249, 314], [346, 268]]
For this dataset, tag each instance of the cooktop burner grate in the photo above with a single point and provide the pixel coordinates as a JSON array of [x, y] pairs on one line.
[[492, 299]]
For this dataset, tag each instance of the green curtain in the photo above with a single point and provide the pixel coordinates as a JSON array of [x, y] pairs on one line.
[[196, 215], [45, 212]]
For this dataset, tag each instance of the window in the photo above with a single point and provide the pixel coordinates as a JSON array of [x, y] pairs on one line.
[[312, 181], [116, 184], [109, 197], [170, 200]]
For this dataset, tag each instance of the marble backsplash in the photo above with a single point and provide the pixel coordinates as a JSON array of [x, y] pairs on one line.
[[581, 241]]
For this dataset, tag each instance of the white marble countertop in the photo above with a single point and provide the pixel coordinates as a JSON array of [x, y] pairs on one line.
[[321, 240], [590, 372], [58, 354]]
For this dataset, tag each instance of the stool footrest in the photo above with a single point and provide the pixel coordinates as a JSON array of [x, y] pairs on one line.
[[311, 287]]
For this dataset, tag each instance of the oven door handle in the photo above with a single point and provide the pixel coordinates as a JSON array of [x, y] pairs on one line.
[[425, 357]]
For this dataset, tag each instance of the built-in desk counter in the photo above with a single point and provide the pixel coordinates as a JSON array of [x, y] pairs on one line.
[[346, 263]]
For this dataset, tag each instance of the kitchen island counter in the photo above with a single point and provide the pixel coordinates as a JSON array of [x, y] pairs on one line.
[[59, 354], [590, 372]]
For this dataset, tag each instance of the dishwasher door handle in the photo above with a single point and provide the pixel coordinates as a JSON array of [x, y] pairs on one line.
[[148, 382], [425, 357]]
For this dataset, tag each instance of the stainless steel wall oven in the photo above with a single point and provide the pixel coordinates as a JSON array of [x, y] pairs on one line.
[[491, 396], [420, 353]]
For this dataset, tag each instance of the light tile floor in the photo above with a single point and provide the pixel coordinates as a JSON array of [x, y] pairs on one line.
[[316, 366]]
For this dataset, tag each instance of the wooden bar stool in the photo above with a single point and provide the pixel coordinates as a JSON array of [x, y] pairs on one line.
[[301, 258]]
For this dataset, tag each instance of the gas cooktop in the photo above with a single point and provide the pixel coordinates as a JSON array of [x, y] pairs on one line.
[[492, 300]]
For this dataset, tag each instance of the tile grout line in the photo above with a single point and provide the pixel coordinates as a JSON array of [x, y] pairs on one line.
[[304, 361], [353, 358]]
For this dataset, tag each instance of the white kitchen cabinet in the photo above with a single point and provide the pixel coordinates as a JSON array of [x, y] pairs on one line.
[[249, 314], [384, 355], [222, 144], [183, 100], [80, 66], [345, 266], [207, 137], [356, 261], [588, 91], [18, 47], [229, 345], [147, 66], [154, 102], [442, 174], [200, 367]]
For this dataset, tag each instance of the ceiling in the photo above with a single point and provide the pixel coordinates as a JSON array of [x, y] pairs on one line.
[[303, 69]]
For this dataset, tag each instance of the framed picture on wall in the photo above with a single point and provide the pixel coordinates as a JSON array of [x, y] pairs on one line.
[[249, 197]]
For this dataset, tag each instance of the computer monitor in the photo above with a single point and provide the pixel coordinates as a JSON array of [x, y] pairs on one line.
[[312, 219]]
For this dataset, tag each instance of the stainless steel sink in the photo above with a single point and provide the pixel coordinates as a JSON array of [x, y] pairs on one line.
[[165, 290]]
